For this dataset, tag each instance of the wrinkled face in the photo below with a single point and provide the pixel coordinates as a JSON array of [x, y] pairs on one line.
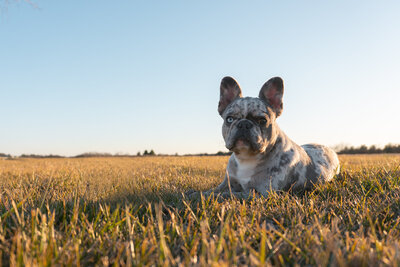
[[248, 126], [249, 123]]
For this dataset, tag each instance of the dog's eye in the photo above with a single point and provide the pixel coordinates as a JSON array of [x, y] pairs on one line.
[[262, 121], [229, 119]]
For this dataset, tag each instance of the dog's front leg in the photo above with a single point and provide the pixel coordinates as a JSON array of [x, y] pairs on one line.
[[221, 188], [228, 186], [227, 189]]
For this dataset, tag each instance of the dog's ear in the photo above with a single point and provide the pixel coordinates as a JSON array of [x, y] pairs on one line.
[[229, 91], [272, 93]]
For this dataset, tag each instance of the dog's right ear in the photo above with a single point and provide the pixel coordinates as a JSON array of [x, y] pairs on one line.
[[229, 91]]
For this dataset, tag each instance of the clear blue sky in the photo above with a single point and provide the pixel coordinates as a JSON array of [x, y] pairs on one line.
[[124, 76]]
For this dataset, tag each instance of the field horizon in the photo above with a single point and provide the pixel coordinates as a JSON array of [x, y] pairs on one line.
[[389, 148], [132, 211]]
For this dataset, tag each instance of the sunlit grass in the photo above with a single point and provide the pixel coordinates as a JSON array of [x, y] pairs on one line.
[[130, 211]]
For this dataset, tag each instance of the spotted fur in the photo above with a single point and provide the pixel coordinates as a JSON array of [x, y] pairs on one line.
[[264, 158]]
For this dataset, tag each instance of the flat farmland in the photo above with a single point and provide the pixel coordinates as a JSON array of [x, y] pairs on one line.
[[132, 211]]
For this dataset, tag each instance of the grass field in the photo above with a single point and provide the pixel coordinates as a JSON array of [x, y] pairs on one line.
[[130, 211]]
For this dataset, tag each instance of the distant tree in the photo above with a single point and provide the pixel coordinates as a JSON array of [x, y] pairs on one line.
[[221, 153], [151, 153], [145, 153], [138, 154], [389, 148], [363, 149], [373, 149]]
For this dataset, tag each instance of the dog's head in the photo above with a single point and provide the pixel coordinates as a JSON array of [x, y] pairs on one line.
[[249, 122]]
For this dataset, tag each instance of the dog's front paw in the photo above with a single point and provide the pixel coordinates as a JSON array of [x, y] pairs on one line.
[[189, 192], [239, 195], [230, 195], [192, 194]]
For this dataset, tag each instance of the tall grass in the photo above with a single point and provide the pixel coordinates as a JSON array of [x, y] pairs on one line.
[[131, 211]]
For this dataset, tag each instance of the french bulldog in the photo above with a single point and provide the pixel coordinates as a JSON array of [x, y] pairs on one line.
[[264, 159]]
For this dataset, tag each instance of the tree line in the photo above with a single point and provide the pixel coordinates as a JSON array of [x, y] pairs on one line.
[[363, 149]]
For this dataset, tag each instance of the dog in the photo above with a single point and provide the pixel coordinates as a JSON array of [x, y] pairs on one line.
[[264, 159]]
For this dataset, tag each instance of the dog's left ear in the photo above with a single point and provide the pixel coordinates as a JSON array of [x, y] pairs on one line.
[[272, 93]]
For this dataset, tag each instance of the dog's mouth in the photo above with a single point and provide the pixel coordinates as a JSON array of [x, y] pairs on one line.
[[243, 143]]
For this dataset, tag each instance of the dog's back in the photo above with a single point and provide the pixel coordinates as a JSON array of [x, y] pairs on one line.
[[325, 162]]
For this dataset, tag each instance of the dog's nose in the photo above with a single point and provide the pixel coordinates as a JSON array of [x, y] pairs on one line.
[[245, 124]]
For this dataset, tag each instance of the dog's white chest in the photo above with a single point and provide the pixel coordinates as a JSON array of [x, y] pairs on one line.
[[245, 171]]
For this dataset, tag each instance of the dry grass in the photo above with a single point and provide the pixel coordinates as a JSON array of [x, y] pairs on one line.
[[130, 211]]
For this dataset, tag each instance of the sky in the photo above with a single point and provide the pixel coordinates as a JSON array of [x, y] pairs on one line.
[[125, 76]]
